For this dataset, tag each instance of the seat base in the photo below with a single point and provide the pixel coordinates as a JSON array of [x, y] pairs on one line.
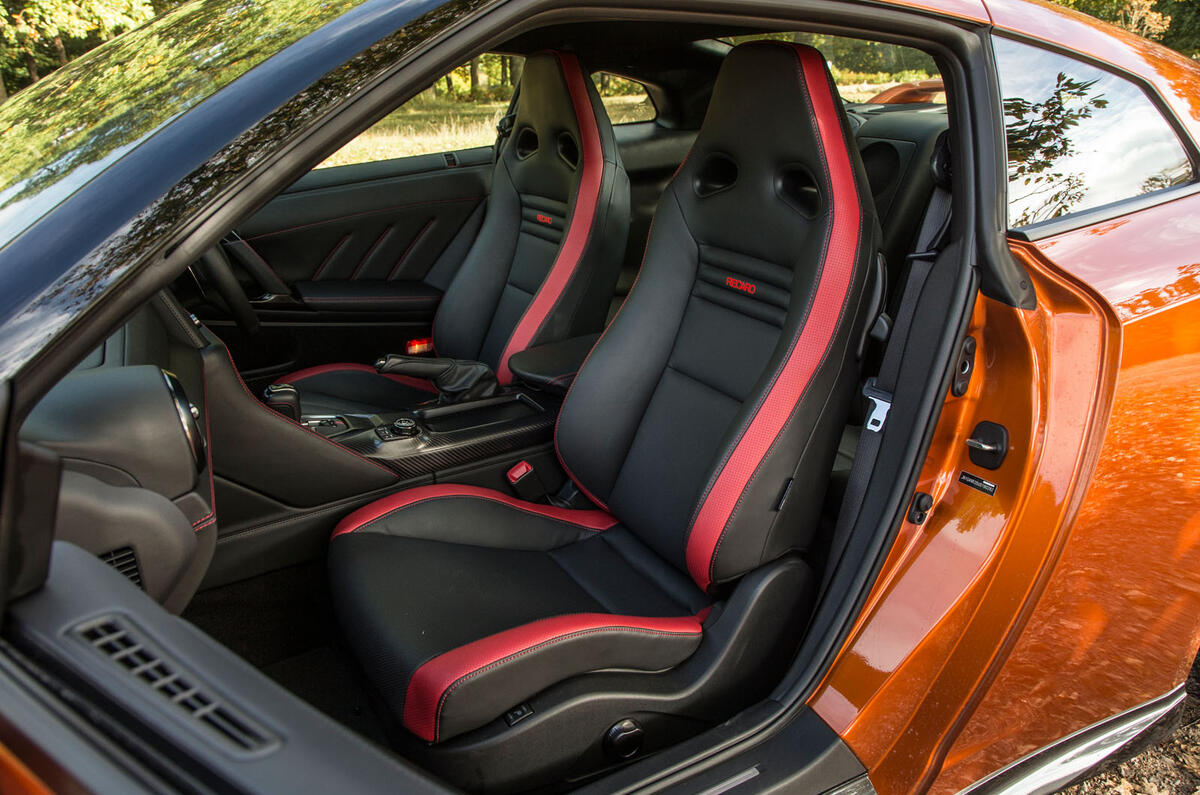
[[461, 602], [748, 643]]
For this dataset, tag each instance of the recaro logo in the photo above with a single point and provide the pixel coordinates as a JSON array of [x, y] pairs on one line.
[[544, 219], [738, 284]]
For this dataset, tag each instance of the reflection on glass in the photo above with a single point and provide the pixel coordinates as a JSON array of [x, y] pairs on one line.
[[65, 129], [1078, 137]]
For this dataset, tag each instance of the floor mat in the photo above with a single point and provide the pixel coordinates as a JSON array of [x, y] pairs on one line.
[[327, 678], [282, 623]]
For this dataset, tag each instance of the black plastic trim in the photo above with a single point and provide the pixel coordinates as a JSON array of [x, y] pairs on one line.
[[1105, 212]]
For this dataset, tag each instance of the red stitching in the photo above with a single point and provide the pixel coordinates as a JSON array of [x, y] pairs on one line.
[[339, 531], [408, 249], [211, 516], [274, 232], [362, 264], [437, 718], [277, 415]]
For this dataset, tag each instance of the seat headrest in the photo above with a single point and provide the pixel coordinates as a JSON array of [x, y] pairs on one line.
[[758, 172], [559, 123]]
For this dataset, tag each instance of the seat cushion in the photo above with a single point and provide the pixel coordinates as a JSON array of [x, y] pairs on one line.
[[349, 388], [462, 602]]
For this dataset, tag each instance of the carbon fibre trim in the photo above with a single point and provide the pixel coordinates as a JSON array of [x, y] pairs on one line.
[[432, 451]]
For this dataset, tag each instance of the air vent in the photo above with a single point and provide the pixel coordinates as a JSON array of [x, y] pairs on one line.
[[124, 560], [117, 639]]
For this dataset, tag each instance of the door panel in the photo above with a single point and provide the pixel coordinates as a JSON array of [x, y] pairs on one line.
[[384, 221], [350, 262]]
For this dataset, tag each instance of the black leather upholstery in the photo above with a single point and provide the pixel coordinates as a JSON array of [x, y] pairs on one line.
[[552, 367], [703, 425], [546, 260]]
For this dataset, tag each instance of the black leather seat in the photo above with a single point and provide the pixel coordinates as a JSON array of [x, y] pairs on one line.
[[703, 427], [545, 263]]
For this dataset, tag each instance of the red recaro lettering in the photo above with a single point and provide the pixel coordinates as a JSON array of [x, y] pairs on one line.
[[738, 284], [544, 219]]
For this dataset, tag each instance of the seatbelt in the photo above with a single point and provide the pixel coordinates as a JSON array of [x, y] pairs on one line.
[[504, 127], [935, 228]]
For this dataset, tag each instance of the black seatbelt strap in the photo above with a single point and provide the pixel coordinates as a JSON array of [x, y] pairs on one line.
[[504, 127], [879, 390]]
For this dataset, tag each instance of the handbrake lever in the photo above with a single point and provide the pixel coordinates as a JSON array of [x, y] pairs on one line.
[[456, 380]]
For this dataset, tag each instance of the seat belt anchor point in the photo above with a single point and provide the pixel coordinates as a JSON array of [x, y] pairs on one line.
[[881, 404]]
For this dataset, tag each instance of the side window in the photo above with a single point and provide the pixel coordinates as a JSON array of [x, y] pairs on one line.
[[625, 100], [459, 111], [1079, 137]]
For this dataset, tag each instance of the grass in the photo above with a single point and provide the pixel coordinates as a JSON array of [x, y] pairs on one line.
[[424, 127], [421, 128]]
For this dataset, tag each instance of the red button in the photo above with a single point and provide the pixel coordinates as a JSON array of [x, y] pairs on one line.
[[519, 471]]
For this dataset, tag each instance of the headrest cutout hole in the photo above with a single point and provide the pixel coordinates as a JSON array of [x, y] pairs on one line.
[[568, 150], [718, 173], [526, 142], [796, 185]]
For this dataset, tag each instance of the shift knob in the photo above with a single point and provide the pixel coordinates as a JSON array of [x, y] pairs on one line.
[[285, 399]]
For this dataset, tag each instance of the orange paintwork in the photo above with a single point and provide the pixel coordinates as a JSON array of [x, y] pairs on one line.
[[1005, 623], [1119, 622], [911, 93], [953, 587], [971, 10], [16, 778]]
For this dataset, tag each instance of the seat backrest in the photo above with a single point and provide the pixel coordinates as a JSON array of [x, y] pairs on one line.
[[546, 260], [707, 416]]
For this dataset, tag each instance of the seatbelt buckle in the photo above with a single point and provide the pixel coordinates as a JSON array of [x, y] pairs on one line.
[[526, 483], [881, 404]]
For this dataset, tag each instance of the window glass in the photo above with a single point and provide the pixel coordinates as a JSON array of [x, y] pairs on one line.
[[1078, 137], [459, 111], [625, 100], [867, 71]]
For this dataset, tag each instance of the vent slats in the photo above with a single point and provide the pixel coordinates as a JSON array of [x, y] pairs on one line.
[[124, 560], [119, 642]]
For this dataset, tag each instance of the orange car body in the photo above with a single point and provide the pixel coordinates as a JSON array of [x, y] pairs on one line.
[[1004, 623]]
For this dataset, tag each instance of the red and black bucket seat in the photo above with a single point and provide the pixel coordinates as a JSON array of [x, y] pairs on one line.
[[702, 426], [545, 262]]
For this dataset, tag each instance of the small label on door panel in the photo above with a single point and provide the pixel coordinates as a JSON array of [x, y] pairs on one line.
[[978, 483]]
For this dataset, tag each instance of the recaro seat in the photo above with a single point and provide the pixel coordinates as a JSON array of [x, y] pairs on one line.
[[545, 262], [703, 426]]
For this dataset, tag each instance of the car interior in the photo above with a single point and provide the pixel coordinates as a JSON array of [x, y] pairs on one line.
[[522, 461]]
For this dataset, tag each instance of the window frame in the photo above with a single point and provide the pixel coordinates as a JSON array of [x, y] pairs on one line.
[[646, 88], [1104, 212]]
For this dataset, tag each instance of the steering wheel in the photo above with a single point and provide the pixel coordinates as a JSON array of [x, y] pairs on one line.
[[219, 273]]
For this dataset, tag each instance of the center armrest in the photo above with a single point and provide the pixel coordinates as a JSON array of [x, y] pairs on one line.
[[552, 367]]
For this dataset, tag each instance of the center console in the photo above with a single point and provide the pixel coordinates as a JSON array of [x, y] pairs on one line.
[[433, 437]]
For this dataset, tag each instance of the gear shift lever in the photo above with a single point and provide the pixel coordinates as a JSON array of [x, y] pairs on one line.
[[285, 399]]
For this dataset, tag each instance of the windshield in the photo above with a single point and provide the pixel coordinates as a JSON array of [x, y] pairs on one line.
[[62, 131]]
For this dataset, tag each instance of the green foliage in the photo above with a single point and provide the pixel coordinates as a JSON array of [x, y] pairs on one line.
[[86, 111], [1184, 31], [37, 36]]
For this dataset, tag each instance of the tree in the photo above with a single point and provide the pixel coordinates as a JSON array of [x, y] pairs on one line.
[[1136, 16], [1039, 145], [49, 33], [474, 66]]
